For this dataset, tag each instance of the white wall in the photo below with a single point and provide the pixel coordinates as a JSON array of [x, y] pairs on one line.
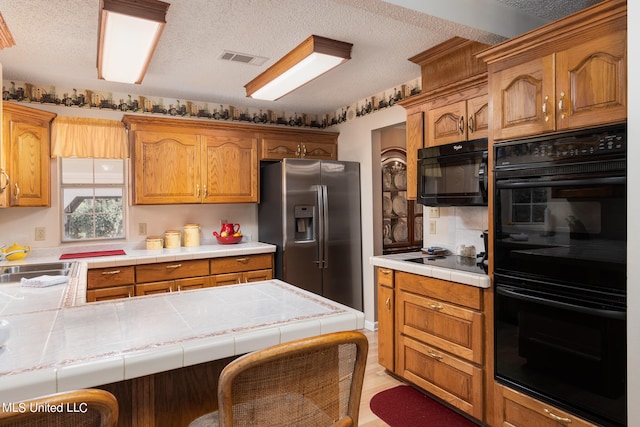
[[633, 207], [355, 143]]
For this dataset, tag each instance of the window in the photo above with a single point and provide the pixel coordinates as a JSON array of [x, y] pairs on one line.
[[528, 205], [92, 199]]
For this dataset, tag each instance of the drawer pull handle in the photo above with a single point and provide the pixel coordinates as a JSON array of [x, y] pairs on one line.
[[435, 356], [174, 266], [385, 271], [242, 260], [436, 306], [387, 303], [110, 272], [557, 417]]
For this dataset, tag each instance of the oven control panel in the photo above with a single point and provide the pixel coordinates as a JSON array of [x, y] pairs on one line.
[[575, 146]]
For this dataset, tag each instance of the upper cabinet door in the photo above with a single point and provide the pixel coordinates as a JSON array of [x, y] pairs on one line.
[[478, 117], [415, 141], [591, 82], [447, 124], [166, 168], [230, 162], [523, 99]]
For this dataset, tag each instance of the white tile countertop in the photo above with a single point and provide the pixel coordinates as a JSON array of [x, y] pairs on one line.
[[398, 262], [60, 343]]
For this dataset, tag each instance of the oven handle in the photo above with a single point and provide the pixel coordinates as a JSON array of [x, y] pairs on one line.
[[609, 314], [562, 183], [482, 176]]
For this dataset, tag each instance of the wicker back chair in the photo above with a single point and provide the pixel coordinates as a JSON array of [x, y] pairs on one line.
[[79, 408], [309, 382]]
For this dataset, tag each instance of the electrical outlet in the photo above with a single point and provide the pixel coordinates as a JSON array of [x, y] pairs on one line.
[[40, 233], [434, 212], [432, 227], [142, 228]]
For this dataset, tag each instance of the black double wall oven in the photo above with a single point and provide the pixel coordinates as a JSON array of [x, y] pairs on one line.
[[560, 270]]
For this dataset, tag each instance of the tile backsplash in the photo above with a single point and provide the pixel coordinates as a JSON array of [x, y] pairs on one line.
[[460, 225]]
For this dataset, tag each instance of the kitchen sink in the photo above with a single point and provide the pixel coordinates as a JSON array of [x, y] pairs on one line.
[[37, 267], [14, 273], [15, 277]]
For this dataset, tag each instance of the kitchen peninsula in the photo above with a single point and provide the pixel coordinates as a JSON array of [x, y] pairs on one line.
[[164, 349]]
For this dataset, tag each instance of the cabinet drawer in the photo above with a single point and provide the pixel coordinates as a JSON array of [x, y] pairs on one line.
[[241, 263], [171, 270], [456, 293], [455, 381], [519, 410], [107, 277], [454, 329], [385, 277], [258, 275], [114, 292]]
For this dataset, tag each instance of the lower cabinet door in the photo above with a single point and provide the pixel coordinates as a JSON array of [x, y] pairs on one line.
[[226, 279], [114, 292], [192, 283], [154, 288], [258, 275], [453, 380]]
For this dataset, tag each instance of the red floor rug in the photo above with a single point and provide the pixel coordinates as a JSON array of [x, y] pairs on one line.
[[404, 406]]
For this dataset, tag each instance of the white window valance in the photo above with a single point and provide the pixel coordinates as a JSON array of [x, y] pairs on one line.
[[88, 138]]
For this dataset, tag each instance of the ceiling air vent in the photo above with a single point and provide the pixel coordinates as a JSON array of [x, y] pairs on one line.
[[244, 58]]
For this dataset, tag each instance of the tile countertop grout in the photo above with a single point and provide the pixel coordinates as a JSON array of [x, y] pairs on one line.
[[398, 262], [77, 345]]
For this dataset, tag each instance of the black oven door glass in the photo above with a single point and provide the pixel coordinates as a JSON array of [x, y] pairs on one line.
[[568, 352]]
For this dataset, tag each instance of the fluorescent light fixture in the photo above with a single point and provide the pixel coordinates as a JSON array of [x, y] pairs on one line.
[[128, 34], [310, 59]]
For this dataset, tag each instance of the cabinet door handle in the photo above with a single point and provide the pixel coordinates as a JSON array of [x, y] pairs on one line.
[[205, 190], [385, 271], [304, 151], [545, 108], [17, 191], [434, 355], [461, 125], [239, 281], [470, 124], [436, 306], [110, 272], [129, 294], [561, 105], [174, 266], [557, 417], [197, 190], [242, 260], [387, 303], [299, 151], [6, 176]]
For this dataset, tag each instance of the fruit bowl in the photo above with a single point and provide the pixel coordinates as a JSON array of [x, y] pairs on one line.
[[227, 240]]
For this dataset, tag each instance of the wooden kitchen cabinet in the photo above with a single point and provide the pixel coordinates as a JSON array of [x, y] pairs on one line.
[[187, 161], [110, 283], [454, 97], [439, 339], [241, 269], [230, 165], [25, 168], [461, 121], [166, 168], [518, 410], [566, 75], [386, 304], [298, 144], [170, 276]]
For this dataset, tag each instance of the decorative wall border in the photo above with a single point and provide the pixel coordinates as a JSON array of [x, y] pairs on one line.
[[86, 98]]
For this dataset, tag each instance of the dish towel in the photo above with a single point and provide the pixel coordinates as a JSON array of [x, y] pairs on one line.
[[43, 281]]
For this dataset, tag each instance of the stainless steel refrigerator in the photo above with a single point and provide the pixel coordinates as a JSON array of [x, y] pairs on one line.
[[310, 209]]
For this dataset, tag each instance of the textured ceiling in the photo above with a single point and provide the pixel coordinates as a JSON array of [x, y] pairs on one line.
[[56, 45]]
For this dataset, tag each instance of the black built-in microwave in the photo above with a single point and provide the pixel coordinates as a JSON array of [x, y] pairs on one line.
[[453, 174]]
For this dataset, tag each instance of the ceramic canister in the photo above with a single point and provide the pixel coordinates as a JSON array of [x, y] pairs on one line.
[[191, 235], [154, 242], [172, 239]]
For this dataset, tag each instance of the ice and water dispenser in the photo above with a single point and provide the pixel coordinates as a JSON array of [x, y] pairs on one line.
[[303, 216]]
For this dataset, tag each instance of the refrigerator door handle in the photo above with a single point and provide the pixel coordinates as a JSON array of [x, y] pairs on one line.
[[325, 227], [320, 226]]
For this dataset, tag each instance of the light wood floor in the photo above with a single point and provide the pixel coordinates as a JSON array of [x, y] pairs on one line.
[[376, 379]]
